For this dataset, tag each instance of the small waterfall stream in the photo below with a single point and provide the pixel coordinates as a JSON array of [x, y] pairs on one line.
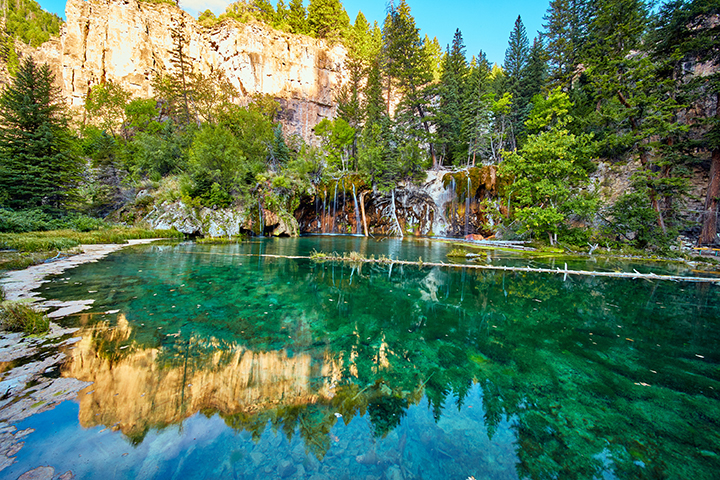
[[358, 227], [261, 224], [467, 205]]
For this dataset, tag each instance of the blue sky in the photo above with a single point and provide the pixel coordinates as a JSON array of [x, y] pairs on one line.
[[485, 24]]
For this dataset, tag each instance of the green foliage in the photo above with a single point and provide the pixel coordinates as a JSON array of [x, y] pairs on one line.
[[215, 164], [141, 116], [22, 317], [297, 18], [327, 19], [39, 166], [207, 18], [337, 138], [636, 221], [37, 220], [451, 140], [105, 106], [29, 23], [548, 171], [161, 153]]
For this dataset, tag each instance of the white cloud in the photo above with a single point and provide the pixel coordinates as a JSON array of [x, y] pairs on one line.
[[195, 6]]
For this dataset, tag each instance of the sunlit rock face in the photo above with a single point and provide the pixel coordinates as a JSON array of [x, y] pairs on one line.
[[130, 42], [139, 388]]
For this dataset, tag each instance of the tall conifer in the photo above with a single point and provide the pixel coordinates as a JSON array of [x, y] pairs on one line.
[[38, 166]]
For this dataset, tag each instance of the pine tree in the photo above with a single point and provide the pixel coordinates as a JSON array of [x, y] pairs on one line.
[[516, 60], [327, 19], [685, 37], [452, 94], [374, 104], [263, 11], [436, 55], [565, 28], [635, 107], [38, 165], [477, 110], [183, 70], [535, 75], [297, 18], [407, 64]]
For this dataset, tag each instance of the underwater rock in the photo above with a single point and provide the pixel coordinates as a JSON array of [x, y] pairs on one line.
[[39, 473], [369, 458], [286, 468]]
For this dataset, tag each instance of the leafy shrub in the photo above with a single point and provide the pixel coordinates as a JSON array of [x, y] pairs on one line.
[[637, 222], [21, 317], [24, 221]]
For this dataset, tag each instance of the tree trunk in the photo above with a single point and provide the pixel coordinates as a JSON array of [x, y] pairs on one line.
[[709, 228]]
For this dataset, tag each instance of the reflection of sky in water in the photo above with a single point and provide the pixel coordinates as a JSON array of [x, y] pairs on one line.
[[455, 447], [584, 378]]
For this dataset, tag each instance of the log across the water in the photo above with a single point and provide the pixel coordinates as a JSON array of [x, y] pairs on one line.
[[420, 263]]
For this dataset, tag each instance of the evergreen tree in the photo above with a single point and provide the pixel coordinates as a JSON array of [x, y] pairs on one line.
[[565, 29], [263, 11], [517, 53], [407, 63], [535, 74], [517, 56], [451, 141], [374, 105], [635, 108], [435, 53], [38, 165], [477, 110], [685, 42], [297, 18], [327, 19], [282, 13]]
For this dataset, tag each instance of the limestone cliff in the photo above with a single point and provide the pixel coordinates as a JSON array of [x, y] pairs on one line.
[[129, 42]]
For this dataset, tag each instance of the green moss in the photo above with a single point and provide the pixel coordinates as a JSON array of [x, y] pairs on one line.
[[481, 180]]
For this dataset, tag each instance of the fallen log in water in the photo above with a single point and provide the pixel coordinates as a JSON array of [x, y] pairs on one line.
[[354, 257]]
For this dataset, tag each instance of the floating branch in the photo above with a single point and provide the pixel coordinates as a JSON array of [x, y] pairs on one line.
[[354, 257]]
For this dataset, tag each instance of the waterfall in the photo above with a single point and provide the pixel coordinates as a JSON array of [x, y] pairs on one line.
[[260, 215], [467, 205], [358, 228], [453, 211], [394, 214], [344, 214], [323, 219], [334, 208]]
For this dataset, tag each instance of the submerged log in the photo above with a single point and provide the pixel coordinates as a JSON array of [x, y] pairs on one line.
[[557, 271]]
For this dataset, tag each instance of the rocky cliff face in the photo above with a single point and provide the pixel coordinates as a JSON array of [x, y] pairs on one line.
[[129, 42]]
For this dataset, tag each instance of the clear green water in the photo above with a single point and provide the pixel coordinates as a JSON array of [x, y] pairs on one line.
[[216, 365]]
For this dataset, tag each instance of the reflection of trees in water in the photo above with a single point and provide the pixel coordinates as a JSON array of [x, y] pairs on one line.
[[566, 361]]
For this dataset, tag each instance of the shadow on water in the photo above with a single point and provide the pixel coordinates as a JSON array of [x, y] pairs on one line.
[[295, 368]]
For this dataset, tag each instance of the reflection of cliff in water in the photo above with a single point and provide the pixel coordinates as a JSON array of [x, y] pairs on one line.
[[593, 375], [135, 389]]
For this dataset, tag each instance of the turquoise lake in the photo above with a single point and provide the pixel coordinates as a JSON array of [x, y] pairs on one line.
[[208, 361]]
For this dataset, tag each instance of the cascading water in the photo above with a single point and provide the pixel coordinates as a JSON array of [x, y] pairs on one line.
[[394, 214], [262, 221], [453, 209], [332, 230], [467, 205], [357, 212], [441, 196]]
